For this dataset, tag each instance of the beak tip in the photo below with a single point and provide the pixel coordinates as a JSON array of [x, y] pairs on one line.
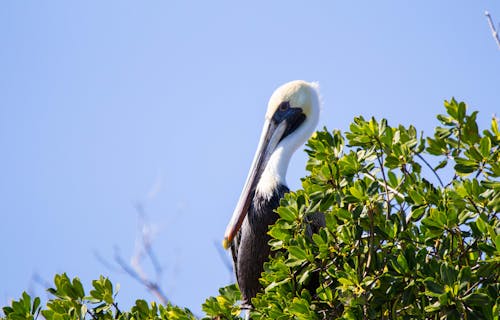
[[226, 243]]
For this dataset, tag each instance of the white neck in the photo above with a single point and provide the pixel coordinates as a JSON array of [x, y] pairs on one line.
[[275, 172]]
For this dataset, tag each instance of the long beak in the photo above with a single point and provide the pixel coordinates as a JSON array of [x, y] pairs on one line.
[[269, 139]]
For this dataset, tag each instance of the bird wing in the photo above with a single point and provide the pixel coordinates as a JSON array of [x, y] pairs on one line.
[[234, 252]]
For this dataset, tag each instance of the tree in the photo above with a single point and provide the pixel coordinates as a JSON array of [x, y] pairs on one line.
[[404, 239]]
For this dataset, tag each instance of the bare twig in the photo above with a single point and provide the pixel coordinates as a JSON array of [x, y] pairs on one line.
[[430, 167], [134, 268], [153, 287], [225, 260], [493, 29], [106, 263], [385, 181], [143, 248], [394, 191], [143, 251], [37, 280], [146, 234]]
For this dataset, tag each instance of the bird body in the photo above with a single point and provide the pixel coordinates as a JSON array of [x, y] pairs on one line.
[[291, 117], [250, 249]]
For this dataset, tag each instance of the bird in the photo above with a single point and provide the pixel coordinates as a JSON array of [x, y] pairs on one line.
[[291, 118]]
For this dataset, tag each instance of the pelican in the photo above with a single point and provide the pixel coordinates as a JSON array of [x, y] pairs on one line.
[[291, 117]]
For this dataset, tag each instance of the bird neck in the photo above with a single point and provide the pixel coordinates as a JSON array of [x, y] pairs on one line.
[[274, 173]]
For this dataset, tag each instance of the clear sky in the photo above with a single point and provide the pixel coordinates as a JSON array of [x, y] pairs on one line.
[[105, 104]]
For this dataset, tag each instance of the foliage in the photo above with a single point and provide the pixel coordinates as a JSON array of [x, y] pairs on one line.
[[399, 243], [225, 305], [404, 239], [70, 302]]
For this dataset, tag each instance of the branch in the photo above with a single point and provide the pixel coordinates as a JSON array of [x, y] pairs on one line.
[[146, 233], [225, 260], [430, 167], [389, 188], [36, 279], [105, 262], [385, 181], [153, 287], [143, 250], [492, 27]]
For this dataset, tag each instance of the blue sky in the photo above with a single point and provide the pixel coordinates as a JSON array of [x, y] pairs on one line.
[[105, 104]]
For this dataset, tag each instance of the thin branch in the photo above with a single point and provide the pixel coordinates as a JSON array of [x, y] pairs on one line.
[[394, 191], [492, 27], [153, 287], [430, 167], [370, 242], [40, 281], [106, 263], [92, 315], [144, 249], [385, 182], [225, 260], [146, 241], [36, 279]]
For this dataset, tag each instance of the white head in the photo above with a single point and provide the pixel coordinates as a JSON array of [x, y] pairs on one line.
[[299, 121], [291, 117]]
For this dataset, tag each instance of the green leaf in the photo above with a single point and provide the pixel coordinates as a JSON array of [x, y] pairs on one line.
[[441, 164], [451, 108], [358, 191], [410, 251], [403, 263], [477, 299], [78, 288], [461, 112], [448, 274], [485, 147], [286, 213], [494, 127], [434, 289], [345, 281], [304, 277], [280, 233], [436, 306], [301, 309], [297, 252], [465, 166], [433, 222]]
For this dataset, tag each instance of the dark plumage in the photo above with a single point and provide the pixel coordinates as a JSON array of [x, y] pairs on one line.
[[252, 241], [291, 117]]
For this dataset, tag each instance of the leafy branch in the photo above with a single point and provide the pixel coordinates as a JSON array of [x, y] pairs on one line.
[[397, 243]]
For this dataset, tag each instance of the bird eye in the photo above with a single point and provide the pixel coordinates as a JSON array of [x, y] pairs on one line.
[[284, 106]]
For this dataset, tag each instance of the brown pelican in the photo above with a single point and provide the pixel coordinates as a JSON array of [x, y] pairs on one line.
[[291, 117]]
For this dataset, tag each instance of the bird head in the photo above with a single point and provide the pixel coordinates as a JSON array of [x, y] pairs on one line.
[[292, 115]]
